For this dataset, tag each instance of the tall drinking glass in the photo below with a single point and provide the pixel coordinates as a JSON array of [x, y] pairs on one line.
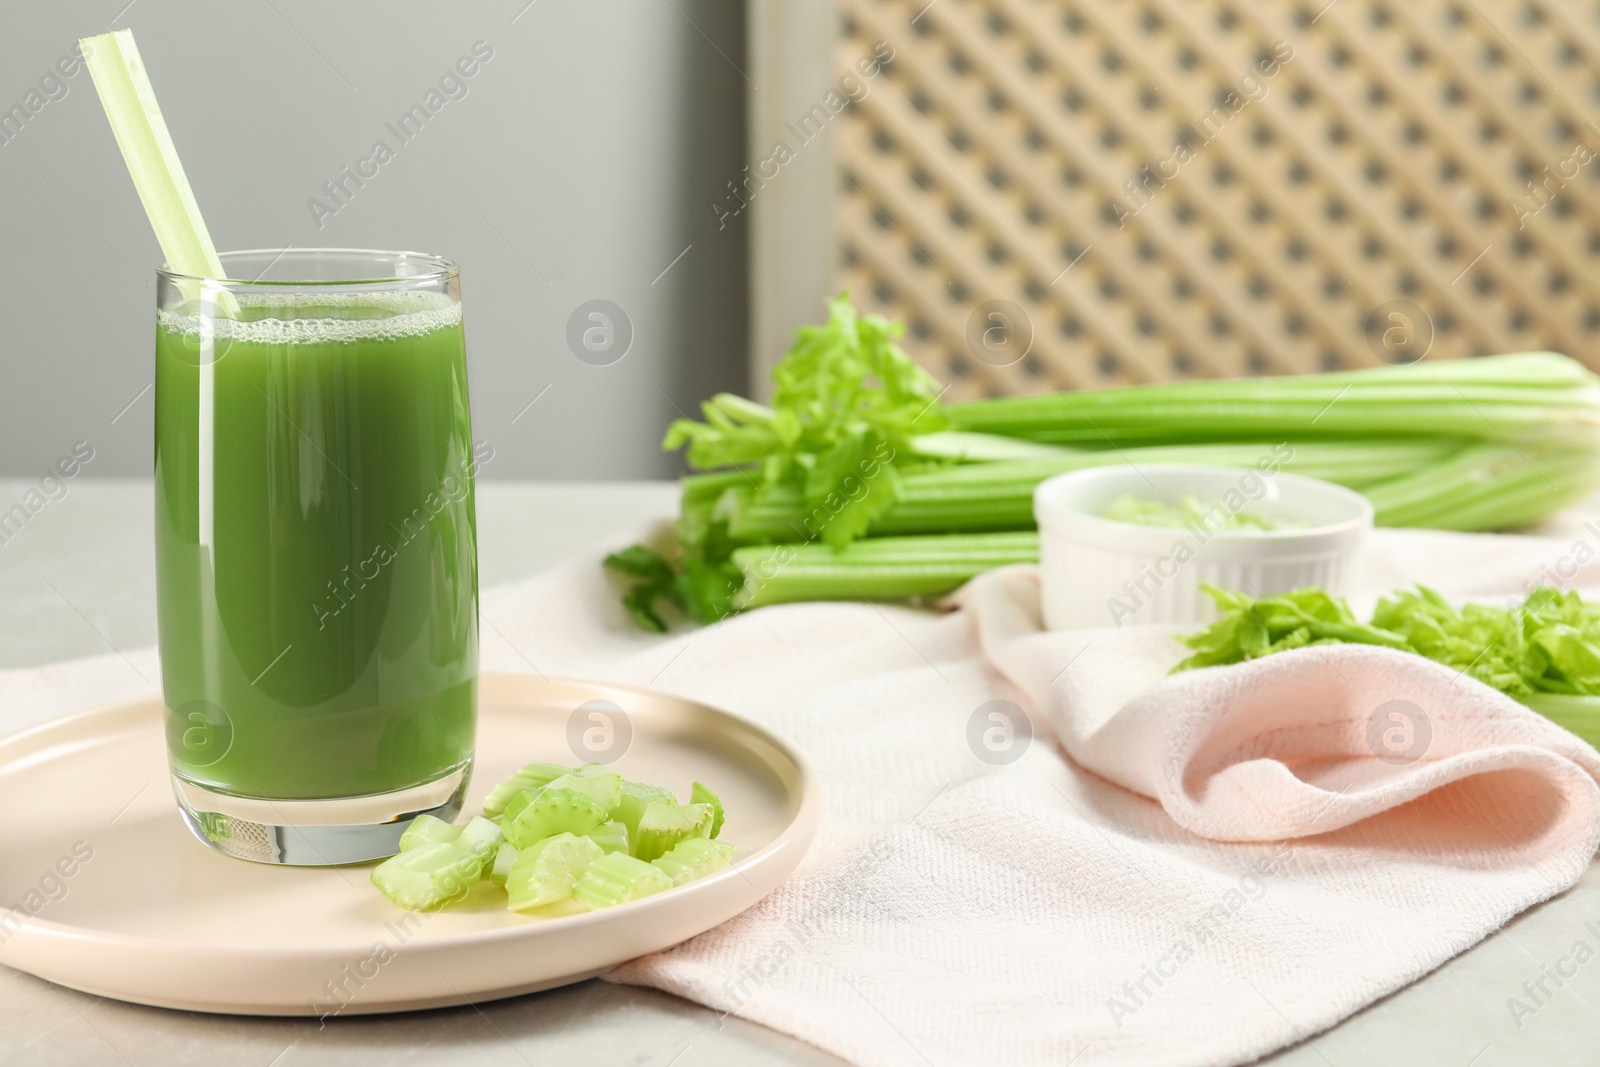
[[316, 550]]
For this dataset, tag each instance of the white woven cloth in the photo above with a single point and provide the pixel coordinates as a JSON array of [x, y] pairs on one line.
[[1222, 866], [1186, 870]]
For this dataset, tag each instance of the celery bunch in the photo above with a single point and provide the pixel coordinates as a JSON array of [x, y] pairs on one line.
[[857, 483]]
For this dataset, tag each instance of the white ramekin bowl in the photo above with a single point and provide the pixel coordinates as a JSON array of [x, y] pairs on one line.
[[1099, 572]]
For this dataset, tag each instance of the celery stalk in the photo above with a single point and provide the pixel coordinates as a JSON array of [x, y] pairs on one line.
[[982, 447], [879, 568], [130, 104], [1579, 714], [1482, 487], [1486, 486], [1525, 397], [981, 497]]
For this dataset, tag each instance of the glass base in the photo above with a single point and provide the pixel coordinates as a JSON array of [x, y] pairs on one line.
[[316, 833]]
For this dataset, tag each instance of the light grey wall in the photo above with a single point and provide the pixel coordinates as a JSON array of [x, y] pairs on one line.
[[579, 165]]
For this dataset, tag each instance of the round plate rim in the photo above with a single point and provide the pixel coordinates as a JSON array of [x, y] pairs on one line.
[[801, 826]]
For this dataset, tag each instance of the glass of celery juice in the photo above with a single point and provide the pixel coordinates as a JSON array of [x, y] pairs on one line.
[[316, 550]]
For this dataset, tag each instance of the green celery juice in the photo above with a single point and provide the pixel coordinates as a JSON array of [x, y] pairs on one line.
[[316, 544]]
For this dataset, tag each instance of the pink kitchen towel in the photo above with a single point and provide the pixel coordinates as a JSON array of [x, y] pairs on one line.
[[1041, 848], [1044, 849]]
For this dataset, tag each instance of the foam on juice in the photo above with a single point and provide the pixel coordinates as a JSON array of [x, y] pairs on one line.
[[301, 319]]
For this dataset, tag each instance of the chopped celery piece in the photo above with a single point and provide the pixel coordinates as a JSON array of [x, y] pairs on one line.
[[611, 836], [514, 806], [559, 833], [550, 812], [694, 858], [505, 857], [636, 796], [427, 830], [604, 788], [700, 794], [425, 877], [547, 870], [431, 875], [616, 879], [663, 825], [533, 777], [480, 836]]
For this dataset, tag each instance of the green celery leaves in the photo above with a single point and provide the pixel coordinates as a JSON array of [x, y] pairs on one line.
[[846, 404], [1545, 647]]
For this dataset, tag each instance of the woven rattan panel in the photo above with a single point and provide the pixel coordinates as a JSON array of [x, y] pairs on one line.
[[1058, 195]]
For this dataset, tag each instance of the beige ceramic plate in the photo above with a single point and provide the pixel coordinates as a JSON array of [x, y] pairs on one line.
[[113, 896]]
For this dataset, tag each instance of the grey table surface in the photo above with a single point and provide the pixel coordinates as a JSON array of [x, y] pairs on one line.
[[79, 580]]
